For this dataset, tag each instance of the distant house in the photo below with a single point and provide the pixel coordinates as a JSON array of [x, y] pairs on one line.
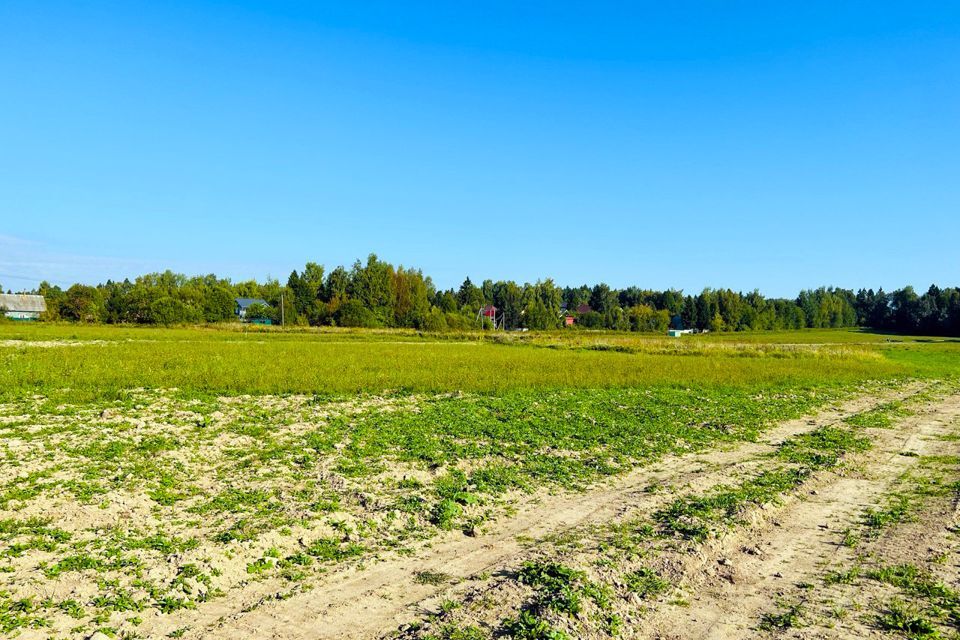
[[489, 311], [676, 333], [244, 303], [584, 308], [21, 306], [569, 321]]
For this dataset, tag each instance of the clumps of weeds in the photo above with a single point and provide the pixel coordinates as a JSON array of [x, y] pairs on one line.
[[72, 608], [433, 578], [118, 599], [34, 527], [168, 491], [921, 584], [169, 604], [909, 621], [160, 542], [293, 567], [445, 513], [313, 458], [881, 417], [449, 605], [697, 517], [39, 538], [558, 589], [628, 536], [190, 578], [333, 550], [240, 531], [259, 566], [530, 626], [851, 538], [77, 562], [789, 617], [822, 448], [259, 502], [455, 491], [25, 489], [899, 508], [613, 624], [646, 583], [932, 477], [19, 613], [454, 632], [904, 576], [848, 576]]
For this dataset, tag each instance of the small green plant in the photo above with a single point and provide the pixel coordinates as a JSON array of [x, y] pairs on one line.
[[72, 608], [331, 549], [646, 583], [898, 509], [454, 632], [445, 513], [790, 617], [558, 586], [259, 566], [528, 626], [435, 578], [19, 613], [842, 577], [909, 621], [448, 605]]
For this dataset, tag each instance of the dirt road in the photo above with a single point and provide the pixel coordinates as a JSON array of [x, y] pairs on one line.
[[799, 541], [372, 600]]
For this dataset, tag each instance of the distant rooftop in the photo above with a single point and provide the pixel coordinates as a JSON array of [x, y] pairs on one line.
[[243, 303], [22, 302]]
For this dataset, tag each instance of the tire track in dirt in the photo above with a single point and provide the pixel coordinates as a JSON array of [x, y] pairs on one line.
[[374, 598], [737, 579], [926, 540]]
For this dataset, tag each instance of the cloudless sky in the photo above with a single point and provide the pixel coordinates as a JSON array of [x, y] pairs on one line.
[[770, 145]]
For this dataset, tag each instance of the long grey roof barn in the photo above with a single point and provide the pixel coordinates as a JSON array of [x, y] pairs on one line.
[[21, 306]]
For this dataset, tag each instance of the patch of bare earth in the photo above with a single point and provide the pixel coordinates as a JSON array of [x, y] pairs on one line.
[[774, 578], [373, 599]]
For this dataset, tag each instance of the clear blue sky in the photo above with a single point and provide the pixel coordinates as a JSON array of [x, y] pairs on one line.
[[771, 145]]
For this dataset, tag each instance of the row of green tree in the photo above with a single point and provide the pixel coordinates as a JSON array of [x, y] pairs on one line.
[[377, 294]]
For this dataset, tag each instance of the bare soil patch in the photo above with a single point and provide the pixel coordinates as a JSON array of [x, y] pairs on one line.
[[375, 598], [779, 563]]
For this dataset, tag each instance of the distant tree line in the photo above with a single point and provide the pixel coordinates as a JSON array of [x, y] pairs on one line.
[[377, 294]]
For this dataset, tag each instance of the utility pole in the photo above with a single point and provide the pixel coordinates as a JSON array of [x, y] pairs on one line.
[[282, 323]]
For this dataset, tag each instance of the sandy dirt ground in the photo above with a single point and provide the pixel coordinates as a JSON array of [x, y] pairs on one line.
[[784, 553], [735, 577]]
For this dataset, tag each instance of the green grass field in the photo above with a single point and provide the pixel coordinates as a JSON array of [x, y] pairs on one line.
[[85, 362], [185, 463]]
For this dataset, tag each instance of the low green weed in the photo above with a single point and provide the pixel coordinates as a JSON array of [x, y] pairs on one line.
[[646, 583], [529, 626], [696, 517], [822, 448], [558, 587], [909, 621], [790, 617]]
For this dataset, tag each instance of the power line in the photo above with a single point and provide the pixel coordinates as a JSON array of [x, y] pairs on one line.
[[31, 278]]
